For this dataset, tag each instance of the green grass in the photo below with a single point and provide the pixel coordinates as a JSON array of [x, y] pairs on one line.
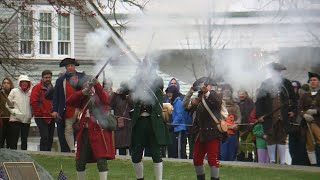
[[123, 170]]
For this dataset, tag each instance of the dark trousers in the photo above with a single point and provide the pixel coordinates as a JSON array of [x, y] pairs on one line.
[[297, 149], [172, 153], [180, 144], [85, 151], [142, 137], [17, 128], [62, 139], [123, 151], [228, 147], [46, 133], [4, 133]]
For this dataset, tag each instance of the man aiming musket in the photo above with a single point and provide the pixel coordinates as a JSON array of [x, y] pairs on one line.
[[94, 140], [148, 127]]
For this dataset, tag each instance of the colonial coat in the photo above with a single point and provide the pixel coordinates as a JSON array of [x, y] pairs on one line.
[[100, 139], [59, 96], [122, 106], [310, 102], [204, 127], [264, 103], [158, 125]]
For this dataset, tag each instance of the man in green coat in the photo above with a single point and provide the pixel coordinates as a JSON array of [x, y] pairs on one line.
[[148, 128]]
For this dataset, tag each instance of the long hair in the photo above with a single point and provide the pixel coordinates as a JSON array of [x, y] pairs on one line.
[[10, 82]]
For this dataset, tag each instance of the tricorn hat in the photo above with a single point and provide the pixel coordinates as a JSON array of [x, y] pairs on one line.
[[276, 66], [205, 80], [67, 61], [311, 74]]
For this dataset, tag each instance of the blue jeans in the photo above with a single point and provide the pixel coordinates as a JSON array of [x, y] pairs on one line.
[[228, 148]]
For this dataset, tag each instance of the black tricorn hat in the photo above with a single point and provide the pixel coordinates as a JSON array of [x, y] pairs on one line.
[[276, 66], [311, 74], [67, 61], [205, 80]]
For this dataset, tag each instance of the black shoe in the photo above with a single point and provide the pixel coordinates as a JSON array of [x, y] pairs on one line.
[[201, 177], [212, 178]]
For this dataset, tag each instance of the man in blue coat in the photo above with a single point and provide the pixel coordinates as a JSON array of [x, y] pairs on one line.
[[65, 86]]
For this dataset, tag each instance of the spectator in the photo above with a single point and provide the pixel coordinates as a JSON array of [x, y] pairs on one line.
[[42, 108], [178, 121], [21, 114], [246, 105], [5, 88], [65, 116], [190, 104], [172, 148], [228, 147], [297, 134], [261, 143]]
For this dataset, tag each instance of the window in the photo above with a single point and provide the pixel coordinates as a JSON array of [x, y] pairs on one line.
[[64, 35], [26, 33], [45, 33]]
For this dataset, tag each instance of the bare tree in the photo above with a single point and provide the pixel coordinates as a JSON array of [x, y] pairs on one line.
[[11, 59]]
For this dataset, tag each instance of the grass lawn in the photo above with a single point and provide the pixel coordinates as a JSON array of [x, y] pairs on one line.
[[123, 170]]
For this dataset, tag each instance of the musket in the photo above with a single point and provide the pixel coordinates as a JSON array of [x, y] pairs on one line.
[[273, 111], [97, 76]]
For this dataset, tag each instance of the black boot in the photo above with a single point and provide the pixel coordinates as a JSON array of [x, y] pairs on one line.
[[240, 156], [140, 179], [213, 178], [201, 177]]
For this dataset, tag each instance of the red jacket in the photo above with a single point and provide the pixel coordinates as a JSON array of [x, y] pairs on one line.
[[41, 107], [101, 147]]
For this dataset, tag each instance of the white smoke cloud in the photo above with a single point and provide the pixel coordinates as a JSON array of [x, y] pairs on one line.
[[167, 24]]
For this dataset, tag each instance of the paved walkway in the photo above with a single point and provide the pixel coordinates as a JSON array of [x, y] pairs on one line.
[[223, 163]]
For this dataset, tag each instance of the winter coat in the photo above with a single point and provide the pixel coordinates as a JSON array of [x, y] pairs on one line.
[[179, 116], [21, 102], [246, 106], [234, 112], [305, 103], [4, 112], [122, 107], [101, 140], [165, 97], [59, 96], [204, 127], [264, 103], [41, 107], [258, 132]]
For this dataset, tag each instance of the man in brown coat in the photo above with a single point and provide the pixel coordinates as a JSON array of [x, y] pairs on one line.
[[309, 108]]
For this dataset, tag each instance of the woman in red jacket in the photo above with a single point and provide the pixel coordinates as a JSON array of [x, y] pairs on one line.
[[94, 144]]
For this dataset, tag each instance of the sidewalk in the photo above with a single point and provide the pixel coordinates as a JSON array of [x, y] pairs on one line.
[[222, 163]]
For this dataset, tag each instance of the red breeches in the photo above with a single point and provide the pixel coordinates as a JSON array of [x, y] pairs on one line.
[[211, 148]]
